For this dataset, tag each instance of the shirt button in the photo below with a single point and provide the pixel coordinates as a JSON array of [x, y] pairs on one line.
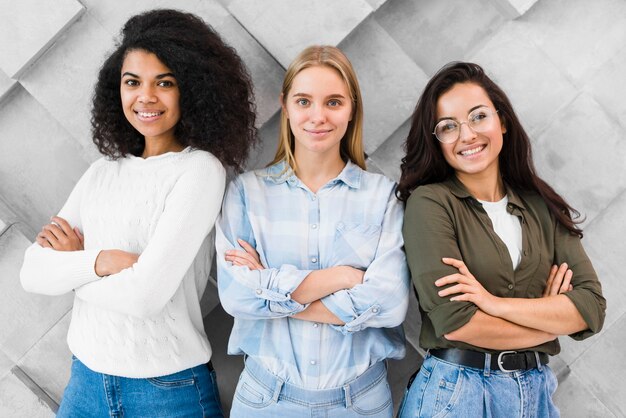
[[313, 260], [510, 287], [316, 325], [313, 197], [258, 291], [375, 310], [313, 362], [525, 252], [314, 226]]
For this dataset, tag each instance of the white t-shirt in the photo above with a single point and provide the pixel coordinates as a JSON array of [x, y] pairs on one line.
[[506, 226]]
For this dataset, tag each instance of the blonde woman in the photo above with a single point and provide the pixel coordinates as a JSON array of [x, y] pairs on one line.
[[310, 259]]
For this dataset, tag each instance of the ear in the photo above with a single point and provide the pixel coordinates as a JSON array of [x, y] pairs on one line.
[[503, 126], [282, 105]]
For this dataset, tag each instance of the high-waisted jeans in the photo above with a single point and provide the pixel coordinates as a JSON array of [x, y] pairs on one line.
[[443, 389], [188, 393]]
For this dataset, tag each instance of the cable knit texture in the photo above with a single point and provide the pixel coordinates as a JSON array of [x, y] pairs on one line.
[[144, 321]]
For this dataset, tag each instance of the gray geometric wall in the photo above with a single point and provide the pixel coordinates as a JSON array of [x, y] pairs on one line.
[[563, 64]]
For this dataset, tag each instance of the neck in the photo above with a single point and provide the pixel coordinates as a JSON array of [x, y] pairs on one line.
[[489, 188], [317, 170], [159, 146]]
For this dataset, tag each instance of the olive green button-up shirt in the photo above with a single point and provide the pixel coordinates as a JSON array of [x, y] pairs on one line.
[[444, 220]]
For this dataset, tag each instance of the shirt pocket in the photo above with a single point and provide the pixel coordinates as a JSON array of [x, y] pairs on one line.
[[355, 244]]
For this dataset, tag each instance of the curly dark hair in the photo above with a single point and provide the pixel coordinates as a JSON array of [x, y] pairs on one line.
[[216, 96], [424, 162]]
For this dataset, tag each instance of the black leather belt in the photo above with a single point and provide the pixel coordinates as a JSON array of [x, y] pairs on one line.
[[506, 361], [209, 366]]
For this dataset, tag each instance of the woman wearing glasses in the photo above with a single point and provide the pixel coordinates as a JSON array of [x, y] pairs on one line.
[[494, 254], [310, 259]]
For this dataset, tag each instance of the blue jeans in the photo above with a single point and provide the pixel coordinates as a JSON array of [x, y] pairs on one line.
[[443, 389], [189, 393], [260, 394]]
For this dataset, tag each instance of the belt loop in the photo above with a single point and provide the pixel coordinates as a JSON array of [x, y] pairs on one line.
[[346, 393], [539, 365], [277, 389], [487, 367]]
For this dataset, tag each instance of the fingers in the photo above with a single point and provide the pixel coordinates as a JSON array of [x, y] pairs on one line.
[[242, 258], [553, 270], [43, 241], [80, 236], [248, 248], [567, 286], [55, 231], [454, 278], [459, 288], [62, 223], [459, 264]]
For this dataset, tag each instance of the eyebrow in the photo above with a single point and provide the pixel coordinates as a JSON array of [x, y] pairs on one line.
[[332, 96], [158, 77], [470, 111]]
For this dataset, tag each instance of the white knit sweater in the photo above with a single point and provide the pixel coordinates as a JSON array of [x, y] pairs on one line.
[[144, 321]]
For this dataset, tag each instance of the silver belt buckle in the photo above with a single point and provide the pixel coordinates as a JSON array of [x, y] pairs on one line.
[[500, 366]]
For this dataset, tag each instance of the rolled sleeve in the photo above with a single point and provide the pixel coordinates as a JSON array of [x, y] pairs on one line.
[[587, 290], [245, 293], [381, 301], [429, 235]]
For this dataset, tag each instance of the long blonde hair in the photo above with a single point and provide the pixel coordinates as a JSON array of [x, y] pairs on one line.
[[351, 147]]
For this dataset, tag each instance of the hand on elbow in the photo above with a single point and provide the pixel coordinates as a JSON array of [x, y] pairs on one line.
[[60, 236], [113, 261], [351, 276]]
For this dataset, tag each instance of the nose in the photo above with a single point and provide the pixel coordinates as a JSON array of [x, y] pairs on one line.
[[146, 94], [466, 133], [318, 115]]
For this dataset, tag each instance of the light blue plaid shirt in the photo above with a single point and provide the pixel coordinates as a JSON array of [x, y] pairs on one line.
[[354, 220]]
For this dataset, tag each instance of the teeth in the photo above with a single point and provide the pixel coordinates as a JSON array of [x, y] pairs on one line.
[[472, 151], [148, 114]]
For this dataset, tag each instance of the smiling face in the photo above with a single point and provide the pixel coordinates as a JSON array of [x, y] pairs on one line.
[[319, 110], [150, 96], [474, 154]]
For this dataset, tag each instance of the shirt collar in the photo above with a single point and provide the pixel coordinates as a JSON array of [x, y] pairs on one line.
[[459, 190], [281, 173]]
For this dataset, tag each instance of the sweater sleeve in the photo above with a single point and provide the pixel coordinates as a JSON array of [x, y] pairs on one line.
[[52, 272], [189, 214]]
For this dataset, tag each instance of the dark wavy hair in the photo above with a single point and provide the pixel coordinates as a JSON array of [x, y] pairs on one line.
[[424, 162], [216, 97]]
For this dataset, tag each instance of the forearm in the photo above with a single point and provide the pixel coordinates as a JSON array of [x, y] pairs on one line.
[[317, 312], [494, 333], [555, 314], [320, 283]]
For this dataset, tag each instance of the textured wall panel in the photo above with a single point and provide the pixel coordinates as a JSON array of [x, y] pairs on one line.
[[17, 401], [285, 27], [29, 27], [40, 180]]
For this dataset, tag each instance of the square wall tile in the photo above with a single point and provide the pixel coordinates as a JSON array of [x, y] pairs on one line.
[[577, 35], [39, 162], [581, 153], [29, 27], [575, 400], [63, 80], [31, 315], [286, 27], [49, 361], [608, 88], [434, 33], [6, 84], [535, 86], [603, 368], [389, 154], [390, 81], [18, 400]]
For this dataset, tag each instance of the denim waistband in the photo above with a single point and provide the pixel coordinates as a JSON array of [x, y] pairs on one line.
[[344, 394]]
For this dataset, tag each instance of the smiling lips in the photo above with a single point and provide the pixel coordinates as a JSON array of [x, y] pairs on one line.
[[147, 116], [472, 151], [318, 132]]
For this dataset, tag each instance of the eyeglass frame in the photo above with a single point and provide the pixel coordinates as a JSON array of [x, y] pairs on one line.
[[496, 111]]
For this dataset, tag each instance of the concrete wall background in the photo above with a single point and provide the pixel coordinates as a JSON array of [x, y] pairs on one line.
[[563, 64]]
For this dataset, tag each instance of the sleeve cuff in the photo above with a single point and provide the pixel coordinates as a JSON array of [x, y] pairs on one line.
[[352, 322]]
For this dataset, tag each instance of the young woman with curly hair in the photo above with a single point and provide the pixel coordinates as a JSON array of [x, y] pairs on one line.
[[172, 107], [310, 260], [494, 254]]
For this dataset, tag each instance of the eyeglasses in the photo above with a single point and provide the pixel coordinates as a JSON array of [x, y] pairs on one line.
[[479, 120]]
